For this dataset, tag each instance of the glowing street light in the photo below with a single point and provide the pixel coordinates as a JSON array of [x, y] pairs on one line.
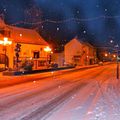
[[106, 54], [5, 42], [49, 51], [114, 56], [117, 59]]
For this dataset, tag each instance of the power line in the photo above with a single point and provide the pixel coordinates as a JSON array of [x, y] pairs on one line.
[[66, 20]]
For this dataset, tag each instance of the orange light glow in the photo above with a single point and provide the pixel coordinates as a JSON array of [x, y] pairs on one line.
[[114, 56], [5, 41], [51, 52], [47, 49], [106, 54], [20, 35]]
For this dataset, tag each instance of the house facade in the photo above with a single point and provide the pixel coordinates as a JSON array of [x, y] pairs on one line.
[[58, 58], [32, 46], [79, 53]]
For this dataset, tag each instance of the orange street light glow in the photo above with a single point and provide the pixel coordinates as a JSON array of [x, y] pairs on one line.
[[20, 35], [5, 41], [51, 52], [114, 56], [106, 54], [47, 49]]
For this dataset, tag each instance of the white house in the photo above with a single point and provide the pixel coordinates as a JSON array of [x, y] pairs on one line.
[[79, 52]]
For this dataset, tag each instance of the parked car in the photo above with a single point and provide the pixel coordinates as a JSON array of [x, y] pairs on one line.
[[53, 65]]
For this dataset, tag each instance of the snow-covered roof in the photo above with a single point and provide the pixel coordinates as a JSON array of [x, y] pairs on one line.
[[27, 36], [22, 35], [81, 41]]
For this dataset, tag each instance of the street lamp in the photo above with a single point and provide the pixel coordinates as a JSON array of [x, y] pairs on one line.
[[48, 51], [106, 54], [114, 56], [117, 60], [5, 42]]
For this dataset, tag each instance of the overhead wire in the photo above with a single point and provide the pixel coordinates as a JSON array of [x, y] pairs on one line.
[[66, 20]]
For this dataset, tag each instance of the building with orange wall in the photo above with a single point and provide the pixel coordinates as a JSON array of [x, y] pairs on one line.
[[32, 46]]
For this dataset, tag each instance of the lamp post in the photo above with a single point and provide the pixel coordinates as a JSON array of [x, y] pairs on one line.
[[106, 54], [5, 42], [117, 61], [47, 50]]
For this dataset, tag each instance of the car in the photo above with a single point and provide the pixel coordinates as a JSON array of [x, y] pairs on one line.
[[54, 65]]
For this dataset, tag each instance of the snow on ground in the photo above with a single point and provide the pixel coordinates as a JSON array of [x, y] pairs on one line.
[[98, 101], [13, 101]]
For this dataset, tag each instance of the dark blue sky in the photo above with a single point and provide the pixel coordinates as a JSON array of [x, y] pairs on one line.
[[97, 21]]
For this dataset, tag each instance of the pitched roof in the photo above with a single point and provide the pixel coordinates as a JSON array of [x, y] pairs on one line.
[[27, 36], [22, 35], [82, 42]]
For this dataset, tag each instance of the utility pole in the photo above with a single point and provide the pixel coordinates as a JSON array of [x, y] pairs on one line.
[[117, 62]]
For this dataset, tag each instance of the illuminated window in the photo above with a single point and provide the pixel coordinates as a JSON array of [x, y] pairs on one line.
[[36, 54]]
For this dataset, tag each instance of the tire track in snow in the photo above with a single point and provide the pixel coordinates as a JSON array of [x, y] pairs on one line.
[[46, 109]]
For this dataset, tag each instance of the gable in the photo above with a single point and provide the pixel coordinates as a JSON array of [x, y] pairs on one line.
[[73, 42], [20, 35], [26, 36]]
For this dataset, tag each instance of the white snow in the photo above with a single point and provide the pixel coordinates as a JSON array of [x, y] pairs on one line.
[[97, 99]]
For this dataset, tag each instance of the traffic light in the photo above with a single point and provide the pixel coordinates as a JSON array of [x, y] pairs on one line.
[[17, 51], [18, 47], [17, 54], [50, 57]]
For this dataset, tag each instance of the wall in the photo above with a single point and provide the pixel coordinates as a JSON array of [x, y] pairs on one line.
[[72, 48], [27, 51], [79, 53], [58, 58]]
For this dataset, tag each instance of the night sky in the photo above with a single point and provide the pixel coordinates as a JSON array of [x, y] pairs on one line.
[[58, 21]]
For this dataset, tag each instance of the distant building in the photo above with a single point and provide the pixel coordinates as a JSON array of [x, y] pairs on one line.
[[105, 55], [58, 58], [79, 53], [32, 46]]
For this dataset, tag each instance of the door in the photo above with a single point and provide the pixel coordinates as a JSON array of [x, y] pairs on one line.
[[4, 60]]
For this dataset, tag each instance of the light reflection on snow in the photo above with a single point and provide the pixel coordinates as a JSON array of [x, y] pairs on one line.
[[89, 112], [34, 81]]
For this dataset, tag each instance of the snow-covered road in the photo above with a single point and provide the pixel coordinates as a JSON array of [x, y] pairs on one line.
[[92, 94]]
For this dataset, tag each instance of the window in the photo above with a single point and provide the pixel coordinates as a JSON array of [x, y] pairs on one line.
[[36, 54]]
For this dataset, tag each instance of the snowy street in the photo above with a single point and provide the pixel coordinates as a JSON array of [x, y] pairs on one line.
[[90, 94]]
